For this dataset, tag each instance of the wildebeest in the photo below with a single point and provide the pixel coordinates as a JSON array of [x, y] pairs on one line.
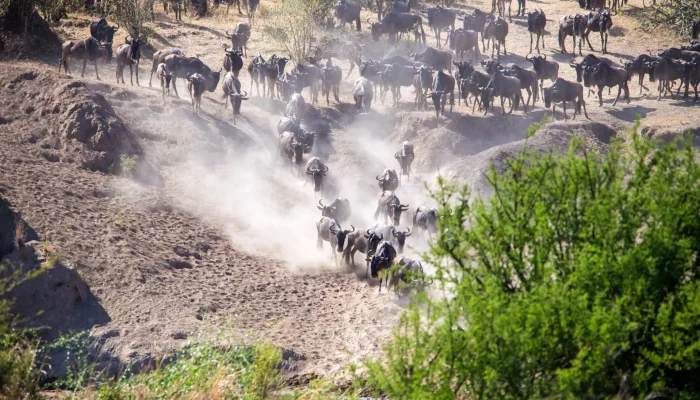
[[679, 54], [288, 84], [694, 45], [462, 71], [182, 66], [356, 241], [296, 107], [638, 66], [408, 275], [497, 30], [444, 85], [566, 28], [129, 54], [440, 19], [473, 85], [476, 22], [434, 58], [347, 12], [401, 6], [270, 71], [564, 91], [425, 220], [397, 238], [159, 57], [311, 78], [291, 148], [329, 230], [394, 23], [339, 209], [505, 87], [389, 208], [695, 29], [233, 62], [397, 76], [528, 81], [239, 37], [232, 90], [591, 4], [462, 41], [331, 75], [388, 180], [422, 81], [164, 76], [580, 31], [348, 50], [86, 49], [196, 85], [100, 30], [536, 22], [256, 72], [666, 70], [603, 75], [317, 170], [599, 22], [362, 93], [693, 77], [382, 260], [289, 124], [588, 61], [405, 157]]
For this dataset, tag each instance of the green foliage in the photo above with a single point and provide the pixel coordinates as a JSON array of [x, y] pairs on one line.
[[263, 377], [75, 347], [131, 14], [128, 164], [295, 25], [577, 279], [534, 128], [674, 14]]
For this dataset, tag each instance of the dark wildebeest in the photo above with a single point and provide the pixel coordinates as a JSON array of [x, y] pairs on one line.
[[289, 124], [600, 22], [694, 45], [271, 71], [382, 230], [425, 220], [397, 76], [603, 75], [347, 12], [317, 171], [693, 77], [462, 71], [373, 70], [440, 19], [588, 61], [232, 90], [566, 28], [497, 30], [695, 30], [196, 85], [638, 66], [339, 209], [444, 85], [405, 157], [288, 84], [100, 30], [536, 22], [331, 75], [329, 230], [591, 4], [164, 76], [528, 81], [382, 260], [182, 66], [239, 37], [473, 85], [564, 91], [462, 41], [296, 108], [159, 57], [421, 83], [291, 149], [679, 54], [580, 31], [357, 241], [233, 62], [394, 23], [409, 275], [311, 78], [388, 180], [434, 58], [505, 87], [476, 22], [86, 49], [389, 208], [544, 69], [667, 70], [129, 54], [256, 72], [348, 50], [362, 93], [400, 6]]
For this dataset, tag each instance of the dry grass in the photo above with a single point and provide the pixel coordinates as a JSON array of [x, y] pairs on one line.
[[20, 231]]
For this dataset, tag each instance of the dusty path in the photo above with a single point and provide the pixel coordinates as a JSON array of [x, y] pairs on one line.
[[229, 239]]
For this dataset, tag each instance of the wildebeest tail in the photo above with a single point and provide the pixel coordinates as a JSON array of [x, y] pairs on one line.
[[154, 67], [422, 32], [358, 24], [561, 38], [517, 102]]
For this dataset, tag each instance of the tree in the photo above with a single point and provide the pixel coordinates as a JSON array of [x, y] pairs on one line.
[[577, 279], [132, 14], [296, 25]]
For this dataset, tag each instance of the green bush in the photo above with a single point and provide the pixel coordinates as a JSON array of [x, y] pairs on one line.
[[576, 280]]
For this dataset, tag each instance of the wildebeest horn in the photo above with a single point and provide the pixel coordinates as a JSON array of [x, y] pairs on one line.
[[402, 207], [321, 207], [572, 63], [393, 231], [127, 38], [381, 236], [245, 94], [325, 169], [353, 228], [408, 232], [228, 34], [377, 177], [528, 58]]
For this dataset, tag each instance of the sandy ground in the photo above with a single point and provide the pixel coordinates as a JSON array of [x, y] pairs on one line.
[[229, 238]]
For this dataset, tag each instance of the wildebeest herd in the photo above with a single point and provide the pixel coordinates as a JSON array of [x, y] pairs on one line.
[[435, 73]]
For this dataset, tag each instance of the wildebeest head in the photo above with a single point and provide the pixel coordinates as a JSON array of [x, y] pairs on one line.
[[605, 20], [376, 29], [695, 30], [213, 80], [372, 241], [317, 173], [436, 96], [236, 100], [327, 211], [491, 66], [107, 46], [401, 237], [580, 24], [382, 259], [537, 63], [339, 9], [134, 48], [395, 211], [281, 64], [340, 235], [486, 95], [464, 68], [579, 69], [547, 94], [297, 149]]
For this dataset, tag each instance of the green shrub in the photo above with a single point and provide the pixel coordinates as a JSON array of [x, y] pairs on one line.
[[577, 279], [128, 164]]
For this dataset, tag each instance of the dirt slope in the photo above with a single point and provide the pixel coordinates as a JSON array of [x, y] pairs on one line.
[[215, 229]]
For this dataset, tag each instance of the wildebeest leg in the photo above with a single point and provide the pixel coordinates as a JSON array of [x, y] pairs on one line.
[[137, 73], [538, 40], [452, 100], [627, 92], [554, 108], [175, 87], [505, 51], [566, 118], [538, 37], [84, 62], [97, 74], [619, 90], [352, 66], [600, 96], [588, 40], [319, 242], [131, 75], [529, 96]]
